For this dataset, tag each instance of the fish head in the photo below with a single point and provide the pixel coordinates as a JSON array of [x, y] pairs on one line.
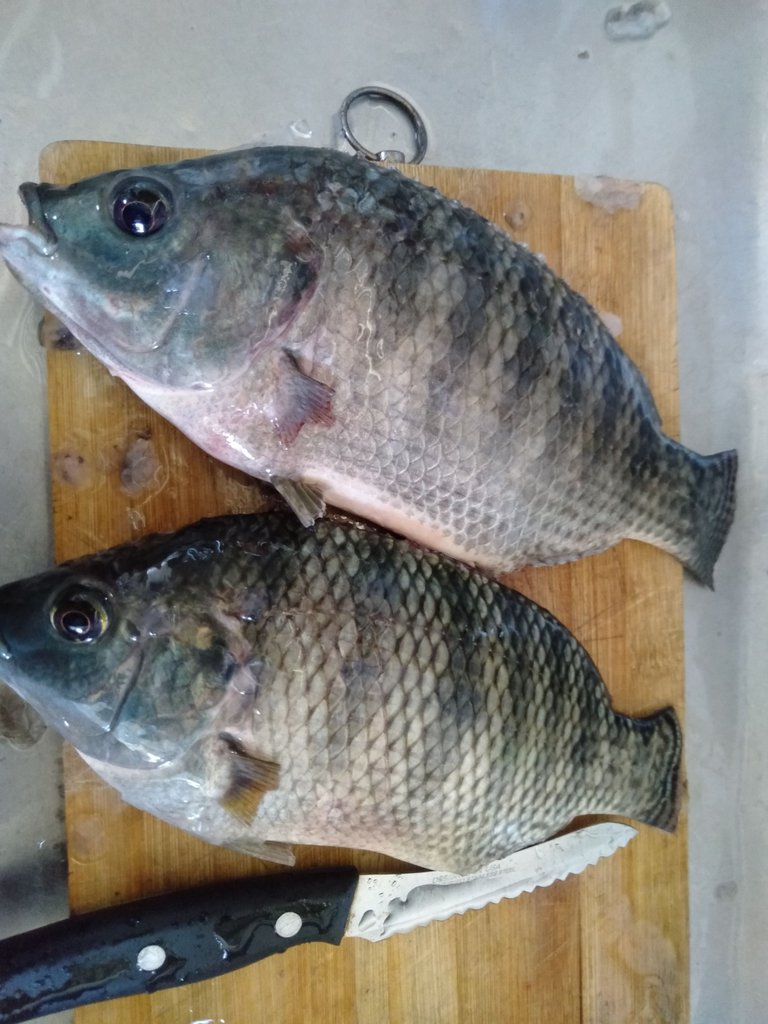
[[126, 661], [174, 276]]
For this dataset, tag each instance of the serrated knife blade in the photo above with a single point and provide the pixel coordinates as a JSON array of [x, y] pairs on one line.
[[386, 905]]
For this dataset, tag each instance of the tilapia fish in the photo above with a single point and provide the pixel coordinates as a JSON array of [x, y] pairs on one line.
[[260, 684], [354, 337]]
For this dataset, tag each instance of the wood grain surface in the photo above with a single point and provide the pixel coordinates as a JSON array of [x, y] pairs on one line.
[[608, 947]]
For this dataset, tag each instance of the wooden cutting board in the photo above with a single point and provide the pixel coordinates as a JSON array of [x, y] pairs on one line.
[[610, 946]]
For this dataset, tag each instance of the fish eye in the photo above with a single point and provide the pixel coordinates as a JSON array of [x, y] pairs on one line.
[[141, 208], [80, 615]]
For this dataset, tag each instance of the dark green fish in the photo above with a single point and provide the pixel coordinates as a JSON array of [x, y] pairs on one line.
[[354, 337], [259, 684]]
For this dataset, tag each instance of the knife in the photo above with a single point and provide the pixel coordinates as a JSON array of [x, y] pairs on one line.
[[188, 936]]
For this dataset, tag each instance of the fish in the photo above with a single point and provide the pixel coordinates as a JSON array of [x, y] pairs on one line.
[[262, 684], [355, 338]]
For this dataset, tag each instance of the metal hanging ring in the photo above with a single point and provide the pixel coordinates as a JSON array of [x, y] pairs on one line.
[[376, 92]]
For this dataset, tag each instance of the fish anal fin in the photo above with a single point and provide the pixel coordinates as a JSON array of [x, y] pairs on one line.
[[249, 778], [301, 400]]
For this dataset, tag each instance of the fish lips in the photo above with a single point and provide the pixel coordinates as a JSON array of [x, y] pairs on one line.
[[22, 246], [32, 197]]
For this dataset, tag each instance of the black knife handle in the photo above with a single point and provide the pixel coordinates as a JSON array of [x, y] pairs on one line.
[[197, 934]]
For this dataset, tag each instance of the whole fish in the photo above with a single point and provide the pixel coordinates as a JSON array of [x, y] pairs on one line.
[[354, 337], [260, 684]]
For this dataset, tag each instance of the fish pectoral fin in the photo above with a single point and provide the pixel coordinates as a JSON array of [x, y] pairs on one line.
[[250, 777], [301, 399], [305, 500], [278, 853]]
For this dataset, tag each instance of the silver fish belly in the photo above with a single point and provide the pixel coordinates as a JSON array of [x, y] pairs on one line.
[[356, 338], [260, 684]]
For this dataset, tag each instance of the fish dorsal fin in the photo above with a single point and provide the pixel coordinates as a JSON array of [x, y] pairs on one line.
[[249, 778]]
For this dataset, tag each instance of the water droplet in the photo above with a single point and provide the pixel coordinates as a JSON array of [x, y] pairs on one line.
[[141, 468], [518, 215], [88, 839], [638, 20], [70, 467], [300, 129]]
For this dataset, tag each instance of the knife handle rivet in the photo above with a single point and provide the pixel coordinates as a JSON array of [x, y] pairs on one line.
[[150, 958], [288, 925]]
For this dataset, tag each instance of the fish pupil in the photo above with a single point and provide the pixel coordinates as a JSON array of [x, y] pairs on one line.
[[76, 622], [140, 211], [79, 619]]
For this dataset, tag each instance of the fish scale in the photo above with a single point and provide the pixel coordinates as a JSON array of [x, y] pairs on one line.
[[402, 702]]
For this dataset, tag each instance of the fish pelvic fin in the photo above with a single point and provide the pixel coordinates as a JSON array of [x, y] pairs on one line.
[[651, 783], [698, 508], [306, 501]]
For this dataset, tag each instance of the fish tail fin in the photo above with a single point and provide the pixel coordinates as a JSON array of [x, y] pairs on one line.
[[649, 784], [698, 510]]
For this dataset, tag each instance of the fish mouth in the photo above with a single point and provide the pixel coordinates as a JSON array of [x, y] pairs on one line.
[[31, 196], [15, 240], [17, 243]]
